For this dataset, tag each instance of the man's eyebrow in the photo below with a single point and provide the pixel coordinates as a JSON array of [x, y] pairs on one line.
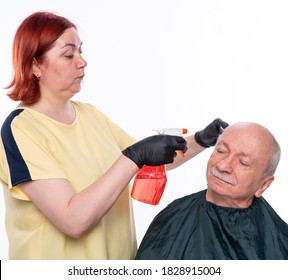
[[242, 154], [222, 143]]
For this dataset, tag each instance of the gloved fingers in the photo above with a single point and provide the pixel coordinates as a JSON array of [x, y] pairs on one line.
[[208, 136], [182, 147], [180, 139], [174, 143], [181, 144], [220, 124], [155, 150], [171, 156]]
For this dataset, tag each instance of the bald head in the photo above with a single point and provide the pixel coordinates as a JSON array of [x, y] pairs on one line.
[[242, 165], [256, 140]]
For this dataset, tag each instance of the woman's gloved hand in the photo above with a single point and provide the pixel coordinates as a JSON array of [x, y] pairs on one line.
[[155, 150], [209, 135]]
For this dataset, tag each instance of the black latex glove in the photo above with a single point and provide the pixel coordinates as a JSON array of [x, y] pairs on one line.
[[208, 136], [155, 150]]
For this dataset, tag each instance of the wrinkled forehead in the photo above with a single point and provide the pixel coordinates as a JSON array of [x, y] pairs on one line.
[[251, 137]]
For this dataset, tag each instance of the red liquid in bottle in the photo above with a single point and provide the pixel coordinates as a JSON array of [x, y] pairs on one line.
[[149, 184], [150, 181]]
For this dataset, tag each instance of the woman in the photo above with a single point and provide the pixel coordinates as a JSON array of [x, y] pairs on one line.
[[65, 178]]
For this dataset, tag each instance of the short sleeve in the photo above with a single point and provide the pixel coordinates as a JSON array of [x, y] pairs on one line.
[[27, 155]]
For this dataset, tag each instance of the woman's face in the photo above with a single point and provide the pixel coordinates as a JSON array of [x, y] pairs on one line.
[[62, 69]]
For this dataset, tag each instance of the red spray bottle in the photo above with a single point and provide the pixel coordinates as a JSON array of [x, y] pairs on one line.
[[150, 181]]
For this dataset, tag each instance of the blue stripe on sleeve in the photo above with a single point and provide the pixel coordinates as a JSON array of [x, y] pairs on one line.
[[18, 169]]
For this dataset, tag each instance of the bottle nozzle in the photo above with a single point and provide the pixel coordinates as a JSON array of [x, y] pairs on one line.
[[172, 131], [175, 132]]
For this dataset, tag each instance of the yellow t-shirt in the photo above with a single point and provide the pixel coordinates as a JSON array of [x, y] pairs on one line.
[[34, 146]]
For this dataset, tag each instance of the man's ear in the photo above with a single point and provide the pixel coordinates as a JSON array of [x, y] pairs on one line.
[[265, 185]]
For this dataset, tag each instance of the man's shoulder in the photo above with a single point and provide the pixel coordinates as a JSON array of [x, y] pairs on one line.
[[189, 198], [180, 205]]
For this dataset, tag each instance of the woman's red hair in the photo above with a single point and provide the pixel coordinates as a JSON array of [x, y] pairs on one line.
[[34, 37]]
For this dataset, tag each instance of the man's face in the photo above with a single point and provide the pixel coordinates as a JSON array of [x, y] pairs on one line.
[[235, 168]]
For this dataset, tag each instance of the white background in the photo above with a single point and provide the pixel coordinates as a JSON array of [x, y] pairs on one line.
[[182, 63]]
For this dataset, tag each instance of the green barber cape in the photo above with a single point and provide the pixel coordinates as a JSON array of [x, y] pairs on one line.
[[192, 228]]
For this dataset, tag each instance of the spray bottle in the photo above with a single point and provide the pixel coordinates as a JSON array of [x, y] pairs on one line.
[[150, 181]]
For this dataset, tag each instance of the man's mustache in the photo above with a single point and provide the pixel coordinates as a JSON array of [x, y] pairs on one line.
[[220, 175]]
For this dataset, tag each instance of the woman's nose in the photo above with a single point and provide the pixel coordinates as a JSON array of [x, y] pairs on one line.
[[82, 62]]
